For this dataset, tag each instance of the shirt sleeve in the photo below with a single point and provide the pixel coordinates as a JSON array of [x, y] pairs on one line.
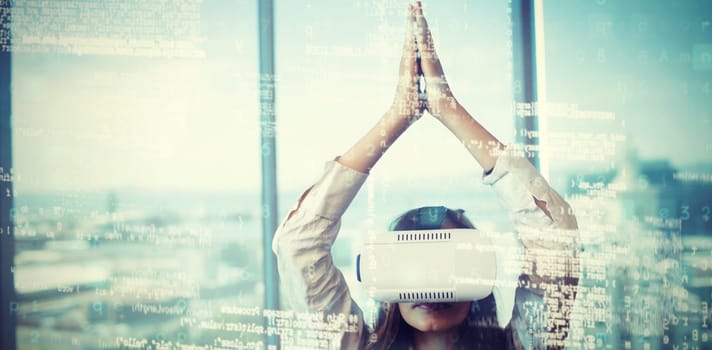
[[303, 242], [550, 269]]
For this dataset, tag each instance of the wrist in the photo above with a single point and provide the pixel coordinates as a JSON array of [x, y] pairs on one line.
[[448, 111], [400, 116]]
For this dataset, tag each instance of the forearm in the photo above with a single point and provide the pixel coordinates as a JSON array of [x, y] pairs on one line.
[[483, 146], [366, 152]]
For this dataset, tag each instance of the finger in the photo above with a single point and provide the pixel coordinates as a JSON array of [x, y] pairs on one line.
[[408, 57], [430, 63]]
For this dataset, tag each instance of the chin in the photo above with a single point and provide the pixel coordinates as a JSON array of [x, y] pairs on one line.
[[434, 326], [434, 317]]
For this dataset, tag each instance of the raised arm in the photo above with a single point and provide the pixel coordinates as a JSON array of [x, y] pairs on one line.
[[405, 110], [544, 221], [442, 104], [303, 241]]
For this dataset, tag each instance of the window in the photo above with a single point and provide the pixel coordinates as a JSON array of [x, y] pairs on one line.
[[135, 148]]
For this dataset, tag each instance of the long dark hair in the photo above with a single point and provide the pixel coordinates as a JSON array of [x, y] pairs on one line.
[[480, 330]]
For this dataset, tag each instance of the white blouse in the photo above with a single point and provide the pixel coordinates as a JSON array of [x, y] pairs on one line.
[[312, 283]]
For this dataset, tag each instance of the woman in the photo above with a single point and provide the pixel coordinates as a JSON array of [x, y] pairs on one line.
[[543, 220]]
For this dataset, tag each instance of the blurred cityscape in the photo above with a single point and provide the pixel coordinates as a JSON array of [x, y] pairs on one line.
[[154, 86], [646, 281], [115, 277]]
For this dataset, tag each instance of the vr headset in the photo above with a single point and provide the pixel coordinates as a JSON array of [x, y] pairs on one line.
[[443, 265]]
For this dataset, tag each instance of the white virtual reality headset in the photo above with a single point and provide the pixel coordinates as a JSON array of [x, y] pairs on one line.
[[445, 265]]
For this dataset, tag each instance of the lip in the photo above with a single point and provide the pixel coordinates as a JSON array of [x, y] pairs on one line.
[[432, 307]]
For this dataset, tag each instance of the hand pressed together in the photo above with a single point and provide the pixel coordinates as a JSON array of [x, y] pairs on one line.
[[440, 101], [419, 61], [406, 103]]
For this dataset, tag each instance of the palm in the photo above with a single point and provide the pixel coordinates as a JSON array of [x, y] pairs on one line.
[[439, 98], [407, 102]]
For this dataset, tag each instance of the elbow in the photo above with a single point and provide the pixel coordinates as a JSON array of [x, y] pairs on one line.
[[282, 242], [283, 239], [276, 243]]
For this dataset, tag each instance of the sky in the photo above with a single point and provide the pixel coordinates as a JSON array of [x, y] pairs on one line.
[[92, 111]]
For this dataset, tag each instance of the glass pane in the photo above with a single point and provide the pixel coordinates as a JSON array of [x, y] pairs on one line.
[[136, 149], [627, 107]]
